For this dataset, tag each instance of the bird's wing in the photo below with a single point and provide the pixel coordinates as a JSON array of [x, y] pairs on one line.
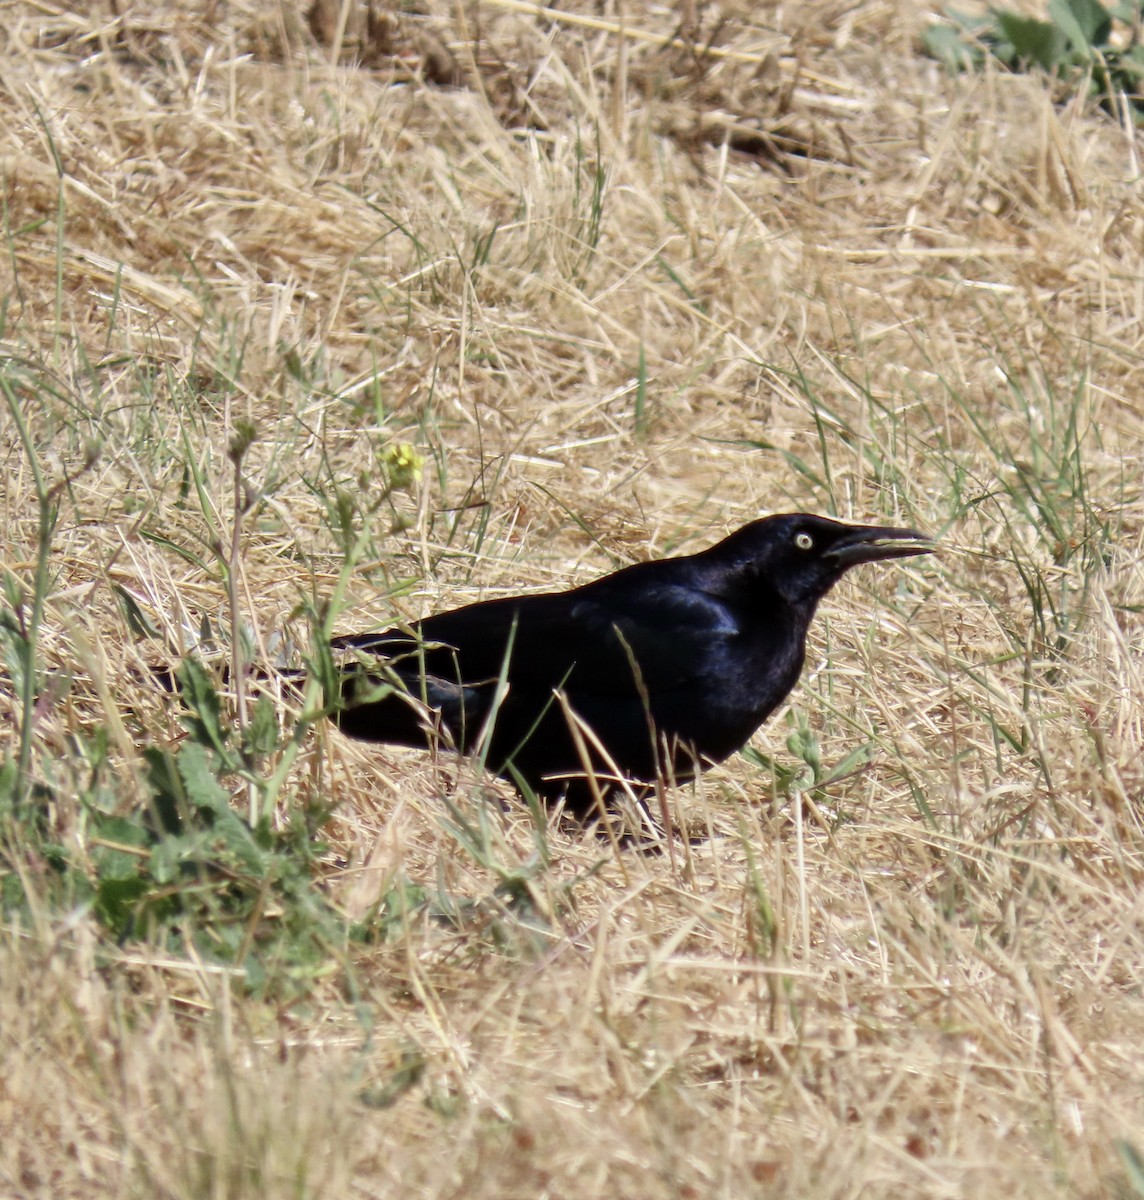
[[671, 632], [586, 638], [682, 642]]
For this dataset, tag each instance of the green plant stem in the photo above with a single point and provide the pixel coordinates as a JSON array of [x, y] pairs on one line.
[[48, 510], [237, 664], [311, 690]]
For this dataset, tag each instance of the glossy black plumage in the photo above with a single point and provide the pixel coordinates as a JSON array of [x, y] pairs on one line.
[[707, 645]]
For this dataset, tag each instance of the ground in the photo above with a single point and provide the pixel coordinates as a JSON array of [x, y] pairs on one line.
[[330, 318]]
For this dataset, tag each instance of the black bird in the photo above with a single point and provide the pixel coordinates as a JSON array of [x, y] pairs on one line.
[[673, 664]]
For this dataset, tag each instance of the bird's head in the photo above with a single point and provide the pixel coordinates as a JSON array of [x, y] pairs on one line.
[[801, 557]]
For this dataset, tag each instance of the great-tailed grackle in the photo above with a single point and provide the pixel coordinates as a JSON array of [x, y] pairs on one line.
[[673, 664]]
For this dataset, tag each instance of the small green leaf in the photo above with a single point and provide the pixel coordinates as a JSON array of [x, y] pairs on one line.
[[116, 900], [163, 778], [858, 757], [261, 735], [160, 539], [9, 774], [784, 776], [13, 591], [137, 620], [1033, 40], [165, 860], [204, 711], [198, 769], [110, 862], [14, 645], [803, 743], [1086, 23], [949, 46]]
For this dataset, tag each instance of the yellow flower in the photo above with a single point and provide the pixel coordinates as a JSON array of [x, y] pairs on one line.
[[403, 465]]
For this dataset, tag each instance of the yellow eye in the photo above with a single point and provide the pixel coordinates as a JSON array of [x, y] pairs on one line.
[[803, 541]]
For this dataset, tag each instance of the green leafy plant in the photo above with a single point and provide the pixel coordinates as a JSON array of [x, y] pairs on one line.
[[1081, 40], [189, 871], [199, 847], [809, 775]]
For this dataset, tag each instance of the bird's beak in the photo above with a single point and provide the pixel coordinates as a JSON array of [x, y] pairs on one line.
[[870, 543]]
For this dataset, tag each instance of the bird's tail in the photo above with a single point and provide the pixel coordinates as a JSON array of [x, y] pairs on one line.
[[370, 701]]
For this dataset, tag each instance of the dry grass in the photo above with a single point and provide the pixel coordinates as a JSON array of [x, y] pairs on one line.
[[622, 296]]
